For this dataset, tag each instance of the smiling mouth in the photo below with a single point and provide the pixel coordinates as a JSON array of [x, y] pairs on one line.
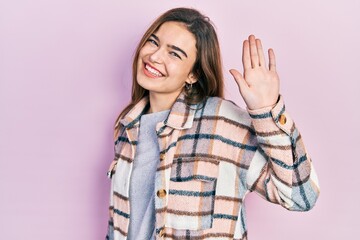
[[152, 72]]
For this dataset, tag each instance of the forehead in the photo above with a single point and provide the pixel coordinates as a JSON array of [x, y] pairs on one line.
[[176, 33]]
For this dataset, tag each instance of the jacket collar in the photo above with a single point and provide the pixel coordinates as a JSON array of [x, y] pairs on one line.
[[181, 115]]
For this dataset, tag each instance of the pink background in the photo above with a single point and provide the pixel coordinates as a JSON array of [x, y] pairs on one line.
[[65, 75]]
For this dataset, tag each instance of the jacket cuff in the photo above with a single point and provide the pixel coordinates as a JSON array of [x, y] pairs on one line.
[[270, 119]]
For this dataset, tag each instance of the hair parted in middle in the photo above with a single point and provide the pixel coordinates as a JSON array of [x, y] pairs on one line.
[[207, 68]]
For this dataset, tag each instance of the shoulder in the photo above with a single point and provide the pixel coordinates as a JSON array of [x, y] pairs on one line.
[[226, 109]]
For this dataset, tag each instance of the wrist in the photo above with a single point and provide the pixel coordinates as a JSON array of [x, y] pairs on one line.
[[264, 106]]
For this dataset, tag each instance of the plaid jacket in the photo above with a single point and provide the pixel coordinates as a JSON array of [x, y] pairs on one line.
[[211, 155]]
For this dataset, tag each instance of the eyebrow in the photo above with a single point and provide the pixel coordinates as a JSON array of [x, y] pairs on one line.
[[171, 46]]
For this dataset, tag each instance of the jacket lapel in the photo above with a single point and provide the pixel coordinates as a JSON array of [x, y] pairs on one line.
[[181, 116]]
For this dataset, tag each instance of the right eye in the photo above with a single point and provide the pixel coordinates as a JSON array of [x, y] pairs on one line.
[[152, 41]]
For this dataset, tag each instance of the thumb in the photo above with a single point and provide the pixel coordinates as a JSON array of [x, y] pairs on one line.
[[239, 79]]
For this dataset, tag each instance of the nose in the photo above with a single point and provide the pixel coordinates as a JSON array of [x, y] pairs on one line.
[[157, 56]]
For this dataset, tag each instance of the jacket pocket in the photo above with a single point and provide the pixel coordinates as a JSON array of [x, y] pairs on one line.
[[192, 193]]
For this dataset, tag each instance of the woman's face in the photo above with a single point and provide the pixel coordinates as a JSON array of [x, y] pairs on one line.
[[166, 60]]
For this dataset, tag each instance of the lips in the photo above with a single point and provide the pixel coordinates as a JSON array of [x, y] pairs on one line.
[[151, 71]]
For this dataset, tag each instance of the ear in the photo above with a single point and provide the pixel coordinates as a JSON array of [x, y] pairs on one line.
[[191, 79]]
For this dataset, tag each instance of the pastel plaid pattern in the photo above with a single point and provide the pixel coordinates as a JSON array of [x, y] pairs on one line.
[[211, 155]]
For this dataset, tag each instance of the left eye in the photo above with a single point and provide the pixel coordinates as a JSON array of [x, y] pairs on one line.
[[175, 54]]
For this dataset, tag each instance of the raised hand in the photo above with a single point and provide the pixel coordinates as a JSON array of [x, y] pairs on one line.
[[259, 84]]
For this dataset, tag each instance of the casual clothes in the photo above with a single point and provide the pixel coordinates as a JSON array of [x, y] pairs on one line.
[[211, 155]]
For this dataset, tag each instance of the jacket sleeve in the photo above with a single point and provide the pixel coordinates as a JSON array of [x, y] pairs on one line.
[[281, 171], [110, 232]]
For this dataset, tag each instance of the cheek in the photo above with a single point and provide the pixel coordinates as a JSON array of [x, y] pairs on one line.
[[143, 51], [184, 71], [178, 69]]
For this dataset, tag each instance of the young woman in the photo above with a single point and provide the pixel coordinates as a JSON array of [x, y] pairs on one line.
[[185, 158]]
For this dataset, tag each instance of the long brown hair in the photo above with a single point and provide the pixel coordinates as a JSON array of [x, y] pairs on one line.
[[207, 67]]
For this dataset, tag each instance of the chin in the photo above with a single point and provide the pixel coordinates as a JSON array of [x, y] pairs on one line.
[[145, 83]]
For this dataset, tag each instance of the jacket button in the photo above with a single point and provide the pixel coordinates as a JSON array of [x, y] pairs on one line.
[[161, 193], [282, 119], [162, 233], [162, 156]]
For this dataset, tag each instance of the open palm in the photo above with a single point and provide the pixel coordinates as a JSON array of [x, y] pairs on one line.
[[259, 84]]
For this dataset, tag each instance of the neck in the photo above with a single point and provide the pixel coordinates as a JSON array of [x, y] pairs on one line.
[[161, 102]]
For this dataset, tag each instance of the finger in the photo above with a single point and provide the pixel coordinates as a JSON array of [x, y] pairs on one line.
[[272, 63], [260, 52], [253, 52], [239, 79], [246, 55]]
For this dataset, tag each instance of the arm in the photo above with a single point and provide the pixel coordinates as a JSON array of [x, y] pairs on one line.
[[281, 171]]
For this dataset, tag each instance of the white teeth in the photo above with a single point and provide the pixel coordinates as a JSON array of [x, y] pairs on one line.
[[153, 71]]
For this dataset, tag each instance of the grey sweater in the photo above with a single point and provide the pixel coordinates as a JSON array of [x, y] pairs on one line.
[[142, 205]]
